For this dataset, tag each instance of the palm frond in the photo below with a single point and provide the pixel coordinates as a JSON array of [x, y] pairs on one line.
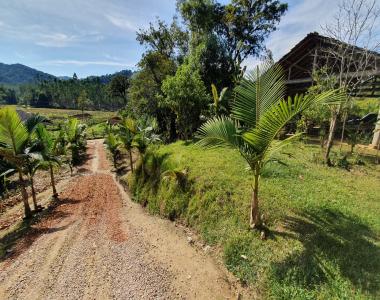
[[218, 132], [257, 92], [12, 130], [281, 113], [32, 122]]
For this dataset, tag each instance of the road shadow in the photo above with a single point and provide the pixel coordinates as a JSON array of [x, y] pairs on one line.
[[334, 245], [22, 237]]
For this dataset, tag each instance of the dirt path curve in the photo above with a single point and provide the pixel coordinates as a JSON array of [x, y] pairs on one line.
[[97, 244]]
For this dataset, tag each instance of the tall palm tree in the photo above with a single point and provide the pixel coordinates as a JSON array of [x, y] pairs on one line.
[[259, 112]]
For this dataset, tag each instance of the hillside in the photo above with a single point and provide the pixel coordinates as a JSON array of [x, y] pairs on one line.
[[16, 74], [21, 74]]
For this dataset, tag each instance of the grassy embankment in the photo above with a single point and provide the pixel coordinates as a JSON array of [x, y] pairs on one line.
[[325, 225]]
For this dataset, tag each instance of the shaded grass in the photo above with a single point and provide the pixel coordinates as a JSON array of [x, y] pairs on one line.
[[324, 222]]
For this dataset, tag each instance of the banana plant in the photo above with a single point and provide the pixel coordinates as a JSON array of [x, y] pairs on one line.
[[217, 99], [259, 112]]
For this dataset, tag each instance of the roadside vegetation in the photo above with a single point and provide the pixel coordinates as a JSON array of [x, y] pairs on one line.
[[26, 146], [323, 240]]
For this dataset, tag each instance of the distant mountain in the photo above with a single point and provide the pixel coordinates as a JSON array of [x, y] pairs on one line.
[[107, 78], [64, 77], [17, 74], [20, 74]]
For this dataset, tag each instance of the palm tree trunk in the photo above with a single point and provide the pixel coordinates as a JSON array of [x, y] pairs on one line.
[[33, 193], [130, 159], [330, 138], [24, 193], [55, 194], [255, 220]]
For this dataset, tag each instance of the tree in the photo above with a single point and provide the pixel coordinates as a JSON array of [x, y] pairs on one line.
[[50, 153], [14, 139], [113, 144], [118, 87], [258, 114], [351, 56], [127, 131], [76, 139], [186, 96], [32, 164], [83, 101], [242, 25]]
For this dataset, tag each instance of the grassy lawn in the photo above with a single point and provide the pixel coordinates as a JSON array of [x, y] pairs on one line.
[[324, 222]]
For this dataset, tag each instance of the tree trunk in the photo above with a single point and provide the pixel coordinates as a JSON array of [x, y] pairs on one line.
[[33, 193], [343, 129], [114, 161], [55, 194], [330, 139], [376, 135], [130, 159], [24, 193], [255, 220]]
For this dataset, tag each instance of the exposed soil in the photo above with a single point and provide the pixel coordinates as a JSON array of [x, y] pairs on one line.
[[94, 243]]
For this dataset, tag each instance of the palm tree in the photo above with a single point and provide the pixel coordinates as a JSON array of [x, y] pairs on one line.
[[32, 165], [258, 114], [128, 130], [49, 150], [113, 144], [14, 139], [76, 138]]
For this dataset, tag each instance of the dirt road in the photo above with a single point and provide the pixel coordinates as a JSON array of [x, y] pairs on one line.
[[97, 244]]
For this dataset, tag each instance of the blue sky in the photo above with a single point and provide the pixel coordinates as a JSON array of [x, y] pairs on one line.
[[93, 37]]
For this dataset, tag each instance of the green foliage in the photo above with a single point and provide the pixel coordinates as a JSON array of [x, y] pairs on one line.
[[76, 139], [323, 244], [118, 87], [83, 101], [186, 97], [259, 113], [113, 143]]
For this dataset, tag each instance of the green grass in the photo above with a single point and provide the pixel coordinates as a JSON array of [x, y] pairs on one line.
[[63, 113], [96, 123], [324, 222]]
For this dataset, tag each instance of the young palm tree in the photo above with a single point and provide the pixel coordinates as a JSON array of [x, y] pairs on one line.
[[14, 139], [32, 164], [49, 151], [113, 144], [258, 114], [76, 138], [127, 132]]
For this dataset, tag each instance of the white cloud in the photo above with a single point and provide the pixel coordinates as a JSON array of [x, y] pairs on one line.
[[56, 40], [122, 23], [81, 63]]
